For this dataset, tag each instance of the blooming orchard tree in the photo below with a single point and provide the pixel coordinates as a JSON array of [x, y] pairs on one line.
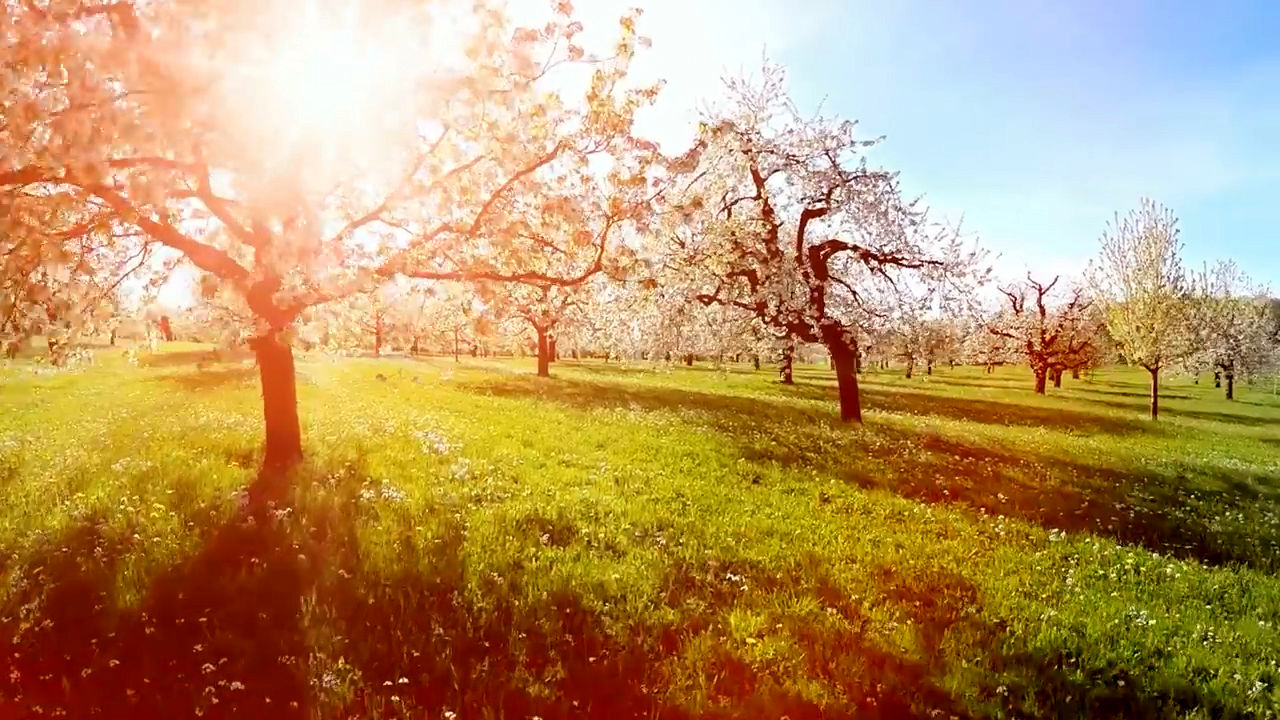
[[1142, 289], [787, 222], [1050, 332], [297, 153], [61, 268], [544, 307], [1232, 326]]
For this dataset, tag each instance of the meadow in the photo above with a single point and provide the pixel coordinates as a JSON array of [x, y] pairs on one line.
[[470, 541]]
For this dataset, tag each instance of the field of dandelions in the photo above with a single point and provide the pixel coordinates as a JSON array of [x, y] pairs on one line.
[[470, 541]]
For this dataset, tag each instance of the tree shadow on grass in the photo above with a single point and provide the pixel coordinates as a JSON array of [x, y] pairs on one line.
[[990, 412], [1171, 412], [1127, 504], [280, 615], [284, 614], [216, 378]]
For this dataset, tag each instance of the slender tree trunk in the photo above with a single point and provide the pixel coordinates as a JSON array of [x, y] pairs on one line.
[[377, 337], [788, 361], [1217, 378], [1231, 385], [112, 339], [688, 359], [1041, 376], [911, 367], [1155, 393], [544, 353], [755, 361], [928, 367], [279, 406], [1057, 378], [554, 354], [990, 368], [844, 359], [857, 362]]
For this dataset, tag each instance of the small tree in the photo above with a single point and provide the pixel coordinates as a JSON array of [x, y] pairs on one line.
[[1231, 325], [1049, 335], [1140, 284]]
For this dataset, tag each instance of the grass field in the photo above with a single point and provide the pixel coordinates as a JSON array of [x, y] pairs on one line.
[[470, 541]]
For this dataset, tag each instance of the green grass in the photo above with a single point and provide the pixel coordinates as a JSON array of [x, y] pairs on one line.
[[633, 542]]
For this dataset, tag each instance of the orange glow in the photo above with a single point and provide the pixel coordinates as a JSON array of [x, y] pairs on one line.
[[319, 89]]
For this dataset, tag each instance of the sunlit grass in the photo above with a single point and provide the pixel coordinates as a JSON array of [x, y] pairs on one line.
[[638, 542]]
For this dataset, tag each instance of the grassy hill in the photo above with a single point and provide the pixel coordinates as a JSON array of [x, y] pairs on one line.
[[634, 542]]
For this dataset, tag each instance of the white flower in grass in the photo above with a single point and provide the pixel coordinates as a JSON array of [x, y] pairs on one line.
[[460, 470]]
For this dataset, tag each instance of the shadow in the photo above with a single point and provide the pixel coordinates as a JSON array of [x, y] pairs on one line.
[[292, 613], [1144, 396], [212, 379], [989, 412], [284, 616], [218, 634], [1170, 412], [1127, 504]]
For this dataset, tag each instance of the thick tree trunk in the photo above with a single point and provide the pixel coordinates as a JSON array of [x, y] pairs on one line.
[[544, 353], [1075, 373], [844, 358], [1057, 378], [1155, 393], [788, 361], [911, 367], [1231, 386], [688, 359], [1041, 376], [279, 403]]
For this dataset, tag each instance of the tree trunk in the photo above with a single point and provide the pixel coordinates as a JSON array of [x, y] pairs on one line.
[[1231, 386], [911, 367], [928, 367], [788, 361], [1155, 394], [1217, 378], [279, 404], [857, 362], [377, 337], [990, 368], [1057, 378], [112, 338], [845, 360], [1041, 375], [544, 353], [688, 359], [1075, 373], [755, 361], [554, 354]]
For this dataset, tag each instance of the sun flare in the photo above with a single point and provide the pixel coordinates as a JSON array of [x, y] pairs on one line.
[[328, 87]]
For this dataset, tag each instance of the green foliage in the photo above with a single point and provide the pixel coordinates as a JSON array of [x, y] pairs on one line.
[[620, 542]]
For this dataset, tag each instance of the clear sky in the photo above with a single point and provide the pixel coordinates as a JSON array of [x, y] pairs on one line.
[[1036, 120]]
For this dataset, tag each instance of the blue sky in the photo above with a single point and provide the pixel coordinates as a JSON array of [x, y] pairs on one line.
[[1039, 120]]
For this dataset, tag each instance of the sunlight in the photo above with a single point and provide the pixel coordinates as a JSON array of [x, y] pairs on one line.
[[319, 89]]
